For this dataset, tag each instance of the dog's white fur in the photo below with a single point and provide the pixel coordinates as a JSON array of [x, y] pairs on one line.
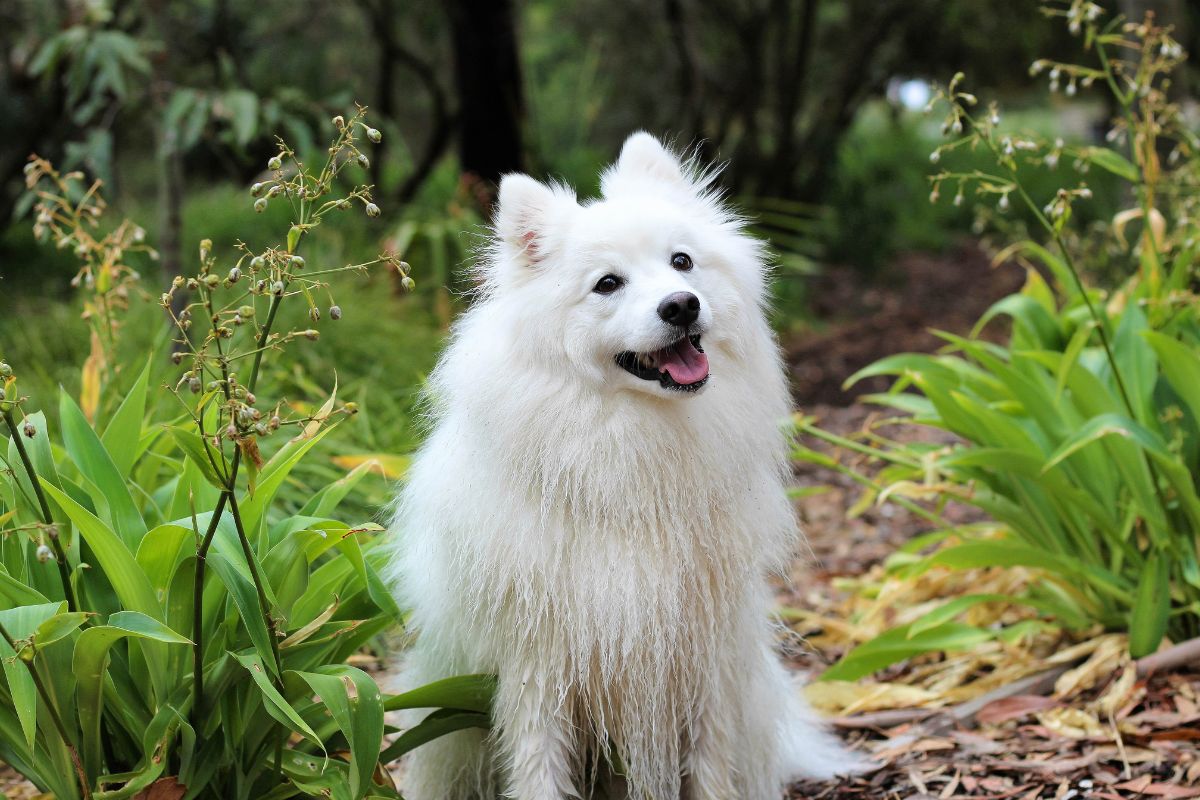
[[599, 542]]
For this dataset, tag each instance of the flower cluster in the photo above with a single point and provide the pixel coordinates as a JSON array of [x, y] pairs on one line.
[[1137, 80], [68, 211], [228, 321]]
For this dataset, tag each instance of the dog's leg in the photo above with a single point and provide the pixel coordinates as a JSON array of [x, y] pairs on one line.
[[536, 734], [458, 766], [452, 767], [708, 766]]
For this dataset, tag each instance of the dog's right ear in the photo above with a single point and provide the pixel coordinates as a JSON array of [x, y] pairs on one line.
[[529, 216]]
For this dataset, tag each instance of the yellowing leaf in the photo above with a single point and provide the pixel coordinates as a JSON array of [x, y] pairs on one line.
[[89, 388], [1071, 722], [1109, 654], [846, 697], [389, 465]]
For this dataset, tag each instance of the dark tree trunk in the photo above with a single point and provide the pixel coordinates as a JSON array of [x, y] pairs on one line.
[[488, 83]]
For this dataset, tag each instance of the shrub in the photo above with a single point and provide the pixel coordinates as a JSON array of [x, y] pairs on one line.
[[161, 623], [1081, 434]]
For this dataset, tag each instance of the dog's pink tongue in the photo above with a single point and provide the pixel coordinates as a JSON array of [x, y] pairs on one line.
[[684, 363]]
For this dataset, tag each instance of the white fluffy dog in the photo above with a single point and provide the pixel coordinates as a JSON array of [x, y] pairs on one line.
[[601, 498]]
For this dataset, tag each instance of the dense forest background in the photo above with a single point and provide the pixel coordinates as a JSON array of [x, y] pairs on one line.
[[164, 98]]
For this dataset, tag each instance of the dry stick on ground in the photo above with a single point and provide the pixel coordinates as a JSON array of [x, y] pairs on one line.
[[938, 720]]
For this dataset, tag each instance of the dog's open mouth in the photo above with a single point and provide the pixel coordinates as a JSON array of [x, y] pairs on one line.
[[681, 366]]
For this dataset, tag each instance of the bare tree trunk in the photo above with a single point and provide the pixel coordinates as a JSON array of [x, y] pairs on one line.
[[170, 203], [488, 81]]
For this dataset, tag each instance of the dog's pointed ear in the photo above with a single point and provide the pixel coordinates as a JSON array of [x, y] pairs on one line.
[[526, 213], [646, 155]]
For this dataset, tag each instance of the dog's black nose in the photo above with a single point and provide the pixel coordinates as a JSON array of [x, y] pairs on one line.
[[679, 308]]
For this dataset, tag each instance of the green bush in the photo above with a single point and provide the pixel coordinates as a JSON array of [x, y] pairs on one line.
[[1080, 434], [878, 193], [163, 619]]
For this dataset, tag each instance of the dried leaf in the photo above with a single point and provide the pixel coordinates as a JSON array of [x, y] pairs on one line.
[[1009, 708]]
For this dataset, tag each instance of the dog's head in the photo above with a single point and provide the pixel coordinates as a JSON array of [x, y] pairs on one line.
[[635, 289]]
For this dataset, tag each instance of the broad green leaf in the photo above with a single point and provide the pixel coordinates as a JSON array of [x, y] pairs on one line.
[[439, 723], [245, 597], [15, 593], [193, 447], [1181, 364], [315, 777], [353, 699], [89, 663], [896, 645], [57, 627], [464, 692], [1028, 315], [242, 109], [116, 560], [123, 436], [21, 691], [951, 609], [326, 501], [40, 453], [1112, 161], [1058, 268], [389, 465], [161, 549], [111, 495], [276, 705], [1148, 621], [272, 475]]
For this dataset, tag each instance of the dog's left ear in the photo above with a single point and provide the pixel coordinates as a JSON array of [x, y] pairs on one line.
[[526, 215], [644, 155]]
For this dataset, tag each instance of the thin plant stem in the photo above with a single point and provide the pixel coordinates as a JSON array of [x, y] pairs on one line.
[[84, 786], [60, 554], [198, 611], [206, 544], [265, 609]]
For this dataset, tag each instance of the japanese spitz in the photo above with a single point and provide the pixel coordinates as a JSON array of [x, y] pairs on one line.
[[601, 498]]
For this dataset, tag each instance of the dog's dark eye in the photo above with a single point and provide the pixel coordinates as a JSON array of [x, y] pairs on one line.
[[681, 262], [608, 284]]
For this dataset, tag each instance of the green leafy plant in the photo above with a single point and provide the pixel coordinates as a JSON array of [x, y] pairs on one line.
[[161, 622], [1080, 434]]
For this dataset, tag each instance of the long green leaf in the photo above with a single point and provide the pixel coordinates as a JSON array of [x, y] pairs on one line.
[[276, 705], [245, 597], [123, 436], [21, 691], [111, 495], [353, 700], [116, 560], [273, 473], [897, 644], [440, 723], [1148, 620], [89, 665], [464, 692]]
